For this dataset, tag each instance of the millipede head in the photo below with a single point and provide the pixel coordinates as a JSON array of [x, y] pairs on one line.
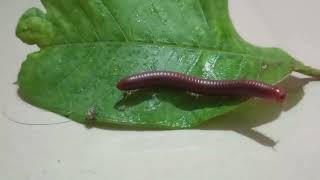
[[281, 95]]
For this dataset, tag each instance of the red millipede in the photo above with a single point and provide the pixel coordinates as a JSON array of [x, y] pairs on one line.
[[201, 86]]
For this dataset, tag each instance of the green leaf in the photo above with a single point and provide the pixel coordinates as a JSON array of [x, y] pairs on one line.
[[87, 46]]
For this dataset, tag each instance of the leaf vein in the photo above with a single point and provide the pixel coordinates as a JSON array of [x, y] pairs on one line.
[[94, 29], [203, 15], [115, 20]]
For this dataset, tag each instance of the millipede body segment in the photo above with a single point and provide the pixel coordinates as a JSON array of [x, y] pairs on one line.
[[154, 79]]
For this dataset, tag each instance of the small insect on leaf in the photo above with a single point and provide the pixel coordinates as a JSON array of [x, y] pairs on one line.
[[91, 114]]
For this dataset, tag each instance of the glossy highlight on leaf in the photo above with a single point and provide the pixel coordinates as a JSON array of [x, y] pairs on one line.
[[87, 46]]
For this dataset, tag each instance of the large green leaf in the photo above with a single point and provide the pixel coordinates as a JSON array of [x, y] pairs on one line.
[[87, 46]]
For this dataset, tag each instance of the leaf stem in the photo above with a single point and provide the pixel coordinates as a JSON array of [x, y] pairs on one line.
[[306, 70]]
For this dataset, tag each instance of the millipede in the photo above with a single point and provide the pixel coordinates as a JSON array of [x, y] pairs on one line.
[[176, 80]]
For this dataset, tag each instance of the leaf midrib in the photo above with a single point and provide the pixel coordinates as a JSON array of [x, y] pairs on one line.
[[166, 45]]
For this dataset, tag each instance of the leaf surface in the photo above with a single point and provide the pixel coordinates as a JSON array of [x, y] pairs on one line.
[[87, 46]]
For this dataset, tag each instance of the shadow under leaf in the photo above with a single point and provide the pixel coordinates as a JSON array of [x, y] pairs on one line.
[[255, 113]]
